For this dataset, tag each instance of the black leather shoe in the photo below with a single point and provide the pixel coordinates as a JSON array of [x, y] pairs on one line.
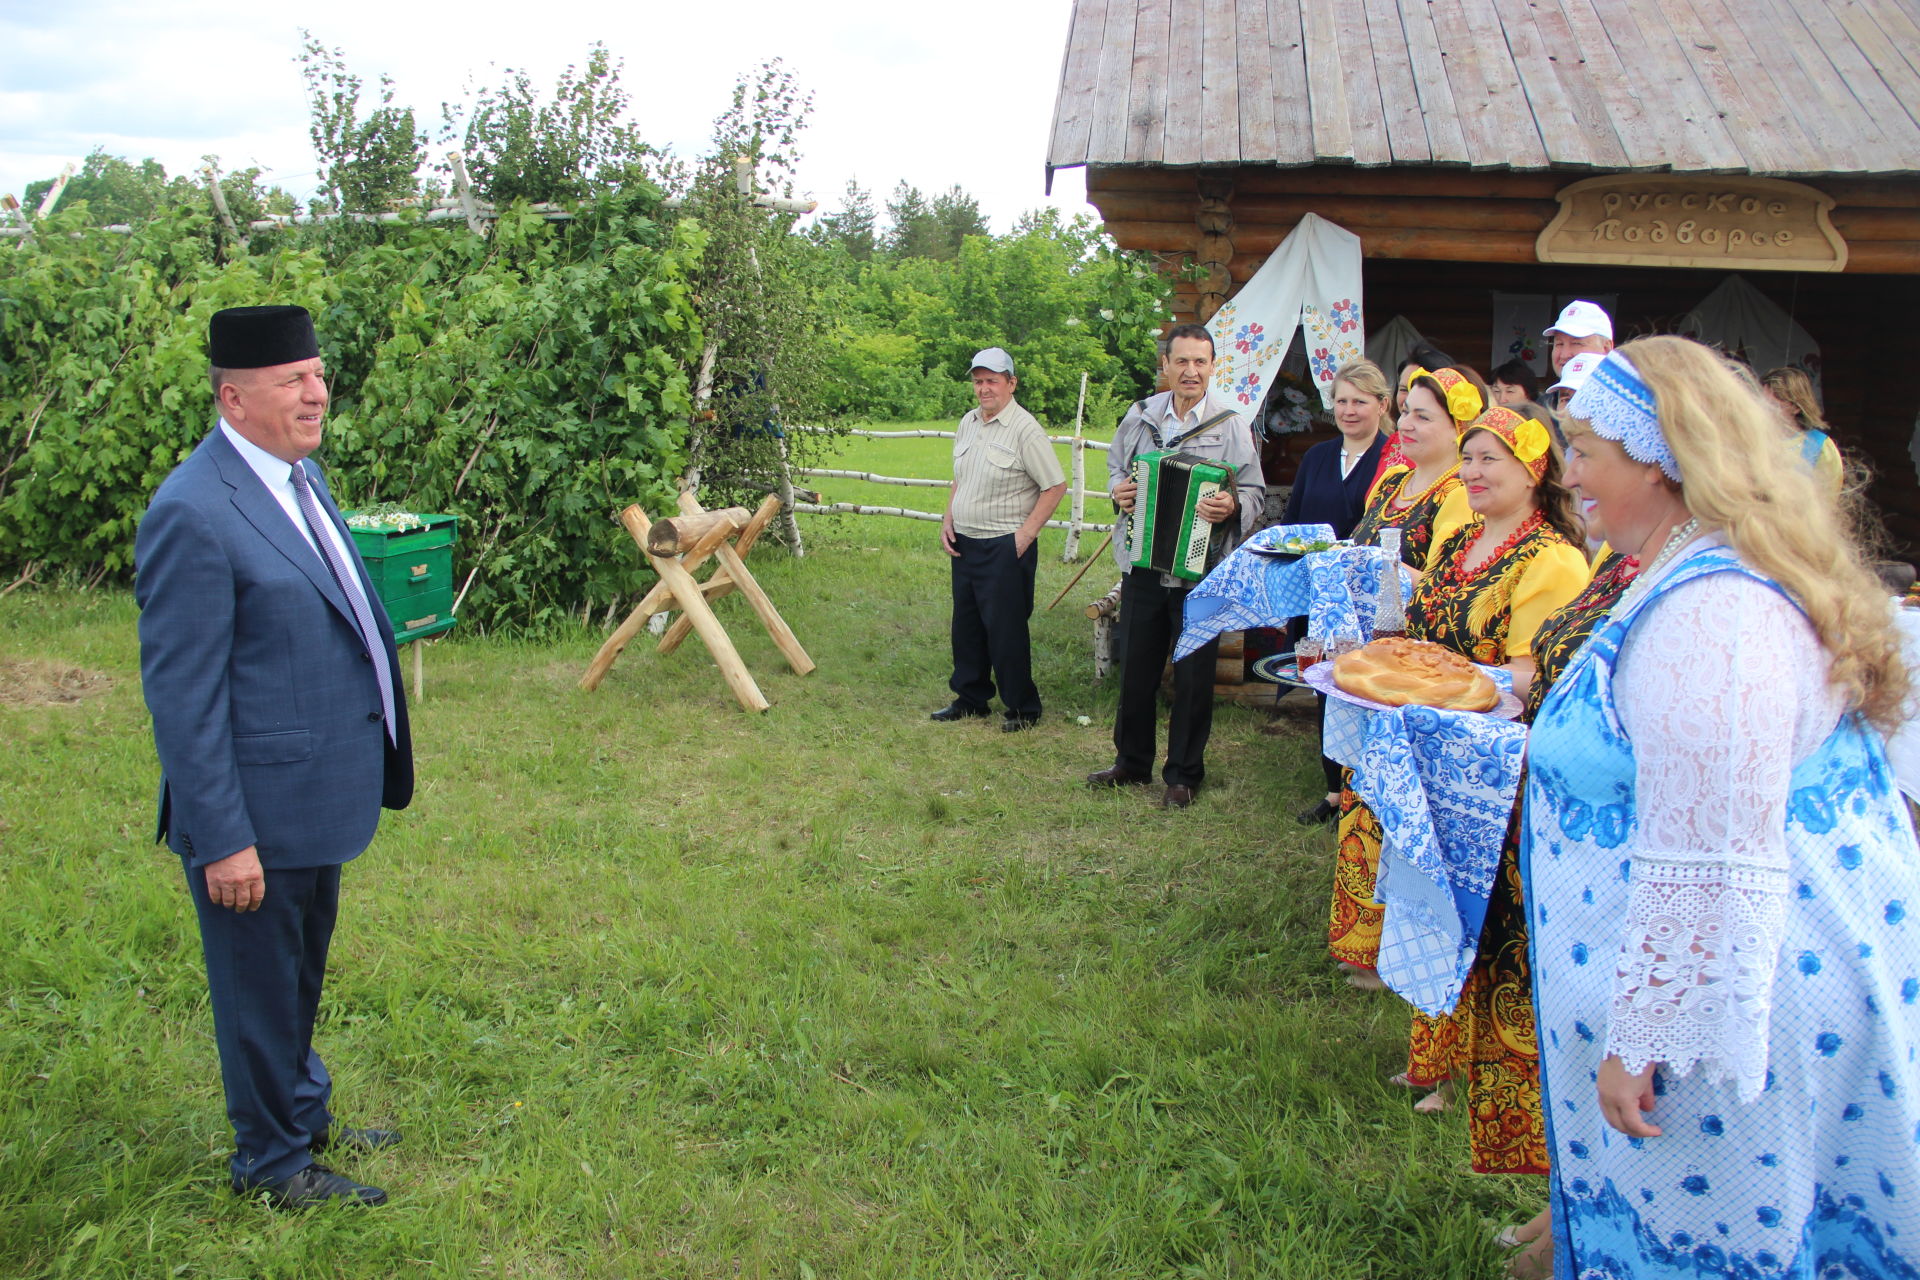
[[314, 1185], [355, 1139], [1117, 777], [1179, 796], [1321, 815], [1015, 724], [957, 711]]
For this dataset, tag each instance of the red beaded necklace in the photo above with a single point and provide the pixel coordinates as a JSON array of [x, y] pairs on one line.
[[1456, 569]]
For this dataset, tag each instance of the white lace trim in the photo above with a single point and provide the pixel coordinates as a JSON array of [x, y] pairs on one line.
[[1622, 408], [1722, 687]]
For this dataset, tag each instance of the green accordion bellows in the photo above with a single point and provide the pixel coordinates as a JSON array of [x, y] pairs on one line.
[[1164, 532]]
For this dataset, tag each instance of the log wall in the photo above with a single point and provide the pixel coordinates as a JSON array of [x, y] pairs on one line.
[[1439, 243]]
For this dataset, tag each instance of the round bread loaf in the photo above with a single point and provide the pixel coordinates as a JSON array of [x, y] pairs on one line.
[[1401, 673]]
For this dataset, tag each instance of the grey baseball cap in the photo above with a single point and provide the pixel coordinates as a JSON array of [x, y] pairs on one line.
[[993, 360]]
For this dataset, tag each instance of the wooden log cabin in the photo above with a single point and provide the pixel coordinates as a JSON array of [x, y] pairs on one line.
[[1446, 135]]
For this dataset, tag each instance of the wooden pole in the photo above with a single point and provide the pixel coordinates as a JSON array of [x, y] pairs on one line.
[[1083, 571], [721, 583], [725, 656], [1077, 507], [463, 189], [783, 637]]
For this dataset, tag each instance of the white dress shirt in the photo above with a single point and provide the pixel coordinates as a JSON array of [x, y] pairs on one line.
[[277, 476]]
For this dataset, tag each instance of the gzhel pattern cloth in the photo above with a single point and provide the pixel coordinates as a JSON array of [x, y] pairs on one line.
[[1337, 590], [1719, 878]]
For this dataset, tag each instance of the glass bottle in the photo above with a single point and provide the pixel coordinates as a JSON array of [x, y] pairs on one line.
[[1390, 611]]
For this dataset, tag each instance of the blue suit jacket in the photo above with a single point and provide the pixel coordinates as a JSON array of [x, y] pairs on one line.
[[266, 710]]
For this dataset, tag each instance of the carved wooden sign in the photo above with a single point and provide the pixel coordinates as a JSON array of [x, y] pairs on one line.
[[1666, 220]]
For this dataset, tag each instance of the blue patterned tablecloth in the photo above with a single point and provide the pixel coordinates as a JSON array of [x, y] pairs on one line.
[[1338, 589], [1442, 784]]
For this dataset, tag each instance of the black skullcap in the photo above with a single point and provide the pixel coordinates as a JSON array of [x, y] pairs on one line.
[[258, 337]]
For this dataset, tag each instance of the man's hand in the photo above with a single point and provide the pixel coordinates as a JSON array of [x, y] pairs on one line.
[[946, 536], [1215, 507], [237, 882], [1123, 494], [1625, 1099], [1021, 541]]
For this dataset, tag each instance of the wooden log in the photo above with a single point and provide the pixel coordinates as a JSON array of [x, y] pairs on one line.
[[1107, 605], [783, 637], [1252, 213], [686, 592], [1344, 180], [1229, 671], [680, 534], [1233, 644], [721, 583]]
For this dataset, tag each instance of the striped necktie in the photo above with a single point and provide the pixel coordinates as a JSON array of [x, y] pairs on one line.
[[321, 528]]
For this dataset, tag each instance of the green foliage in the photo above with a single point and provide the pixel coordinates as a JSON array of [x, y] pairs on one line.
[[115, 190], [852, 228], [579, 141], [1057, 295], [760, 292], [532, 383], [367, 164], [922, 228]]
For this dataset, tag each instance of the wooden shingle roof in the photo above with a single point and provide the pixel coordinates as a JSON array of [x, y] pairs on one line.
[[1777, 87]]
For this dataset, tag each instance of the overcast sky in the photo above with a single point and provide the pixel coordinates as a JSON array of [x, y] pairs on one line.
[[935, 94]]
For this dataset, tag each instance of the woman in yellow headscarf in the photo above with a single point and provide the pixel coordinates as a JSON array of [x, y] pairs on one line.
[[1425, 502]]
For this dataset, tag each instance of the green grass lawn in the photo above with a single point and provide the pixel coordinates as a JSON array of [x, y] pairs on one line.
[[659, 988]]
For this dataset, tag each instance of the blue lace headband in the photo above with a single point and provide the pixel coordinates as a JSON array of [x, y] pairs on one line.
[[1621, 408]]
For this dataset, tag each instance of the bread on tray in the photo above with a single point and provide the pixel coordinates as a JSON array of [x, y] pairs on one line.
[[1401, 672]]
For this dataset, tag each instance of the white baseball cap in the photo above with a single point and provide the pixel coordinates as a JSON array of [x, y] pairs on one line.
[[1583, 320], [993, 360], [1576, 370]]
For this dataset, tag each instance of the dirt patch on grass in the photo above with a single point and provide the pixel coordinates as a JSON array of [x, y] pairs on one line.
[[37, 683]]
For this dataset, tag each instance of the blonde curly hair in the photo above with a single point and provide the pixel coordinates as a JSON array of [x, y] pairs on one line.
[[1742, 476]]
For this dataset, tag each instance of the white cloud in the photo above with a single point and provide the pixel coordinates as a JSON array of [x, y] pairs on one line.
[[931, 94]]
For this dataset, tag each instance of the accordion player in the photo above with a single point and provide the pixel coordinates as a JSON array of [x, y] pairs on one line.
[[1165, 532]]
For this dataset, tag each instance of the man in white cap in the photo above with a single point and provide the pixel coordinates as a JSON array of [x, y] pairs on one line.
[[1571, 377], [1006, 483], [1582, 326]]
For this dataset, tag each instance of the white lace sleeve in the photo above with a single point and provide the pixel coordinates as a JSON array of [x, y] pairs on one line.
[[1721, 687]]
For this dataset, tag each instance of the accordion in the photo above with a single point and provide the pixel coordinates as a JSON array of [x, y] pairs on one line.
[[1164, 533]]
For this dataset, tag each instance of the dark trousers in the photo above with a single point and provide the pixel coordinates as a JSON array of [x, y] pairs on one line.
[[1150, 620], [992, 600], [264, 970]]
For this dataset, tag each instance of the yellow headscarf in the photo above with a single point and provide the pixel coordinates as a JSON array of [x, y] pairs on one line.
[[1526, 438], [1463, 400]]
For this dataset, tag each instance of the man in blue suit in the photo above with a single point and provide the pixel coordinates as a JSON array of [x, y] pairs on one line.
[[281, 726]]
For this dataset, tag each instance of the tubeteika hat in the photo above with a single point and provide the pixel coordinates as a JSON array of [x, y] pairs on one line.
[[1582, 319], [260, 337], [993, 360]]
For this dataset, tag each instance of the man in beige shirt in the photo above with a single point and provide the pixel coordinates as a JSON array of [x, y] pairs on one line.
[[1006, 482]]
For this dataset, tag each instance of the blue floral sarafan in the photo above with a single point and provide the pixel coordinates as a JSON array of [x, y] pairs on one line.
[[1811, 1168]]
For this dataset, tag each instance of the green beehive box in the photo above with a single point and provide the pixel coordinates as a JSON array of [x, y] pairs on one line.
[[412, 570]]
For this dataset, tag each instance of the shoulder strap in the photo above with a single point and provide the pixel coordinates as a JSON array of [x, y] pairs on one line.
[[1208, 425]]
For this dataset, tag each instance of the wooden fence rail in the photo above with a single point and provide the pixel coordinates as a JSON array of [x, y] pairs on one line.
[[1075, 525]]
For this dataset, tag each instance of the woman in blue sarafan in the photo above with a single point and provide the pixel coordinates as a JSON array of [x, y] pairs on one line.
[[1719, 872]]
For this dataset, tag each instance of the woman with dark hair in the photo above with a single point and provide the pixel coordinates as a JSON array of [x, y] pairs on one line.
[[1488, 588], [1514, 384]]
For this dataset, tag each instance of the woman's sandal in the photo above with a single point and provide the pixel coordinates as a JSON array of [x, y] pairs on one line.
[[1437, 1101]]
